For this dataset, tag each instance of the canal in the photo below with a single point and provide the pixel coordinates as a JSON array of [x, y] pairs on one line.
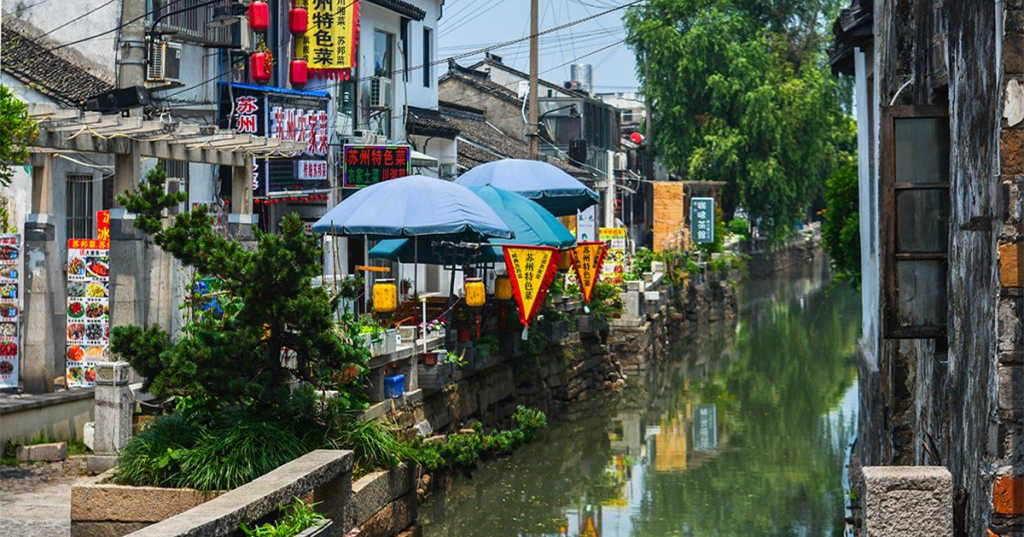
[[741, 431]]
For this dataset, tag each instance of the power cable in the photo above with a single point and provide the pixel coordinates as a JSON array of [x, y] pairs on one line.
[[76, 19], [136, 19], [591, 53]]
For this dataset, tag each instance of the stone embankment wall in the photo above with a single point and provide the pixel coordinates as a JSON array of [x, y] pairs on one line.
[[585, 358]]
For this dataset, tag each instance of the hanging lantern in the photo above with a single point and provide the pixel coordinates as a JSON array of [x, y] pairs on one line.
[[298, 73], [259, 66], [298, 20], [476, 292], [385, 296], [259, 16], [502, 288], [564, 260]]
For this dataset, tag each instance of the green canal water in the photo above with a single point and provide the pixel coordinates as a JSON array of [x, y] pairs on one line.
[[739, 432]]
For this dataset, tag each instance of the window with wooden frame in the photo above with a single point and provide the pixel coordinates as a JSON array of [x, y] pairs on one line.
[[914, 193]]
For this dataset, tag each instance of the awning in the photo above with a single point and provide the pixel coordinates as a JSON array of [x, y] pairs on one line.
[[64, 129], [423, 160]]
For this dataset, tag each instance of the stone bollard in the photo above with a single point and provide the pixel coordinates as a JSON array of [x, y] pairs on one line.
[[632, 308], [112, 413], [907, 501]]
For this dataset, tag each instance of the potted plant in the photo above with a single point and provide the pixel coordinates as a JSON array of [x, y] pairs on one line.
[[435, 369]]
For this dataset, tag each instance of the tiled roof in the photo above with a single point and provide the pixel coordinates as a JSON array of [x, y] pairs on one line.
[[479, 142], [60, 76], [480, 81], [402, 8], [427, 122], [490, 62]]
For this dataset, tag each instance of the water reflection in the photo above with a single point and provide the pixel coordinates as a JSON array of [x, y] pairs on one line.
[[740, 433]]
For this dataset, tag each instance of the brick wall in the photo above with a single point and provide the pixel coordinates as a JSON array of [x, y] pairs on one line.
[[668, 212]]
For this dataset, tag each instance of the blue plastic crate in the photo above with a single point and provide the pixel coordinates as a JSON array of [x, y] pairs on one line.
[[394, 386]]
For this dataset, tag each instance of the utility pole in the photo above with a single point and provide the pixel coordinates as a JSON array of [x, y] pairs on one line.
[[532, 130], [131, 68]]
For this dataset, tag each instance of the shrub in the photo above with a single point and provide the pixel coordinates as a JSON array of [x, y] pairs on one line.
[[298, 517], [739, 226]]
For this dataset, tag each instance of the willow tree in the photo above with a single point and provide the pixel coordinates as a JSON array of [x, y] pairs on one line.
[[735, 100]]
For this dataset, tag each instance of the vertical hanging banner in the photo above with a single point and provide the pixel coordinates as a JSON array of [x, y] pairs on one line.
[[88, 313], [588, 257], [614, 266], [10, 310], [329, 44], [531, 270]]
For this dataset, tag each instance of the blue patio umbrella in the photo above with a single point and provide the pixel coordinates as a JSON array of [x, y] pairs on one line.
[[555, 190], [532, 224], [413, 206]]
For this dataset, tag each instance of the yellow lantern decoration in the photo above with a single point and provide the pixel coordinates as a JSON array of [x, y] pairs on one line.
[[385, 296], [564, 260], [503, 288], [476, 292]]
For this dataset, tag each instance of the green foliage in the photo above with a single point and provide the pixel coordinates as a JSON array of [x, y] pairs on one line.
[[235, 361], [487, 344], [464, 450], [745, 97], [175, 451], [840, 232], [641, 263], [16, 130], [298, 516], [374, 444], [739, 226], [605, 301]]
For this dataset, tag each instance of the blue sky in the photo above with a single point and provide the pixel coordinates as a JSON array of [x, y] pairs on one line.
[[473, 24]]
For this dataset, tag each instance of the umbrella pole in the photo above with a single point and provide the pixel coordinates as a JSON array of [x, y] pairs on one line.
[[416, 266], [366, 279]]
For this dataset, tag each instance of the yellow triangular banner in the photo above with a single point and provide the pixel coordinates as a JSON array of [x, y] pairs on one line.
[[588, 258], [531, 269]]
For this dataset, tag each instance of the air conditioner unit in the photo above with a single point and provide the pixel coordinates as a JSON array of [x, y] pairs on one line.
[[380, 92], [164, 62]]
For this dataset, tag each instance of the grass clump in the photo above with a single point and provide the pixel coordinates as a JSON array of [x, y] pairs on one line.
[[298, 516]]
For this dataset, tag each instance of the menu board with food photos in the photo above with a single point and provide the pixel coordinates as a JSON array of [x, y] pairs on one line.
[[10, 310], [88, 326]]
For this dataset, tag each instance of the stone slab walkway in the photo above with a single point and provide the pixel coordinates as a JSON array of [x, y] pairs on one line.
[[36, 499]]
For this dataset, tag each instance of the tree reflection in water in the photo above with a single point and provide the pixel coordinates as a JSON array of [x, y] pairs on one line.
[[740, 433]]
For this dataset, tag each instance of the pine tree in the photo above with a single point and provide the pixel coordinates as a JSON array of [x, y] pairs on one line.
[[234, 358]]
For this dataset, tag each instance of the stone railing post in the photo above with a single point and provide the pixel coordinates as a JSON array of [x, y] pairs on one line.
[[112, 413], [907, 501]]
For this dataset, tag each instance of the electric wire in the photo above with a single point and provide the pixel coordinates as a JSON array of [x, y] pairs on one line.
[[76, 19], [136, 19]]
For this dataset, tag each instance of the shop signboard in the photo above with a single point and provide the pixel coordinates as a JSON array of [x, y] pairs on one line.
[[88, 309], [586, 224], [614, 266], [367, 165], [10, 309], [330, 41], [702, 220], [297, 116]]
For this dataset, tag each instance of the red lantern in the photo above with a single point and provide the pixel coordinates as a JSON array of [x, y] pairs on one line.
[[298, 72], [636, 138], [298, 20], [259, 16], [259, 66]]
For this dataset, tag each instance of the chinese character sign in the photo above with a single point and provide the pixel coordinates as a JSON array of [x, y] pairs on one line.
[[88, 310], [586, 224], [702, 220], [531, 270], [614, 266], [370, 164], [329, 44], [10, 318], [588, 257]]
